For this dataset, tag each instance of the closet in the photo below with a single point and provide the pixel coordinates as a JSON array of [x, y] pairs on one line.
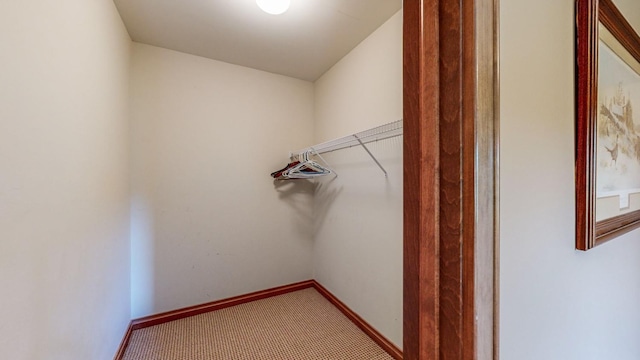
[[208, 222]]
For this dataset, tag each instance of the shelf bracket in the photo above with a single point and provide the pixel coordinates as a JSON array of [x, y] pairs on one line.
[[370, 154]]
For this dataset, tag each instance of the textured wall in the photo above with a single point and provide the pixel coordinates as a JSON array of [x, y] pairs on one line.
[[555, 302], [358, 215], [208, 222], [64, 208]]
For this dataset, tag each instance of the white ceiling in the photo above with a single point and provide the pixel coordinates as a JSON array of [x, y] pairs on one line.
[[303, 43]]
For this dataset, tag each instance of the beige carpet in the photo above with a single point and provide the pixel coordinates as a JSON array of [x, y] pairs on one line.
[[297, 325]]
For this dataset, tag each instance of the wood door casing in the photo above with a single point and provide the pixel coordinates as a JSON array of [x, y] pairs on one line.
[[450, 182]]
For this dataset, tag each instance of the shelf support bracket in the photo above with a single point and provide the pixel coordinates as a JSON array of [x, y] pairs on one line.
[[370, 154]]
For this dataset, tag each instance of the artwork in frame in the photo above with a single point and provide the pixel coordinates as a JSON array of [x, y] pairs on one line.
[[607, 127]]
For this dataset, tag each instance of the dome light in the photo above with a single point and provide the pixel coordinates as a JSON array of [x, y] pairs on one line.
[[274, 7]]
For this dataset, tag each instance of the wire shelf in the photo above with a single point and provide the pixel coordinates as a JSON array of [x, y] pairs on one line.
[[362, 138], [377, 133]]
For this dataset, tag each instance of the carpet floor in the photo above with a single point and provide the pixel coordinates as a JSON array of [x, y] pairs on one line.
[[298, 325]]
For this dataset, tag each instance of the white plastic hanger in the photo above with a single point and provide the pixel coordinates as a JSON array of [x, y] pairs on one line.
[[306, 169]]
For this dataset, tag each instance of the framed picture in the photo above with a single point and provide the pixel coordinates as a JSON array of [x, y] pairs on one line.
[[607, 124]]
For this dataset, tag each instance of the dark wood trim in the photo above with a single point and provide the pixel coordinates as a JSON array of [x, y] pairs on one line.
[[450, 179], [455, 194], [382, 341], [421, 338], [610, 228], [586, 98], [216, 305], [124, 343]]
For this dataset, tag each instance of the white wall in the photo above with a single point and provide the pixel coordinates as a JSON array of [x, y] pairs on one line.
[[208, 222], [358, 215], [555, 302], [64, 214]]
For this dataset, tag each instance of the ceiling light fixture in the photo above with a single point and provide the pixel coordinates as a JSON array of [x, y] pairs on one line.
[[274, 7]]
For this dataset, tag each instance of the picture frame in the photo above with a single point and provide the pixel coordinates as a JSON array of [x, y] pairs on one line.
[[607, 130]]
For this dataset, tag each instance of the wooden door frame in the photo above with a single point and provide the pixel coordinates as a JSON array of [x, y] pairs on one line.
[[450, 179]]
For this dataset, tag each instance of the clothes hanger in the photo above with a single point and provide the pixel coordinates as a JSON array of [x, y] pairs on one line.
[[305, 169], [278, 173]]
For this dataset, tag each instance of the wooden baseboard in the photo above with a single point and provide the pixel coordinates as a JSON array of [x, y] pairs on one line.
[[161, 318], [217, 305], [382, 341], [124, 343]]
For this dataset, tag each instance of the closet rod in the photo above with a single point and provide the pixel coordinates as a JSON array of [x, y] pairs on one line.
[[377, 133]]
